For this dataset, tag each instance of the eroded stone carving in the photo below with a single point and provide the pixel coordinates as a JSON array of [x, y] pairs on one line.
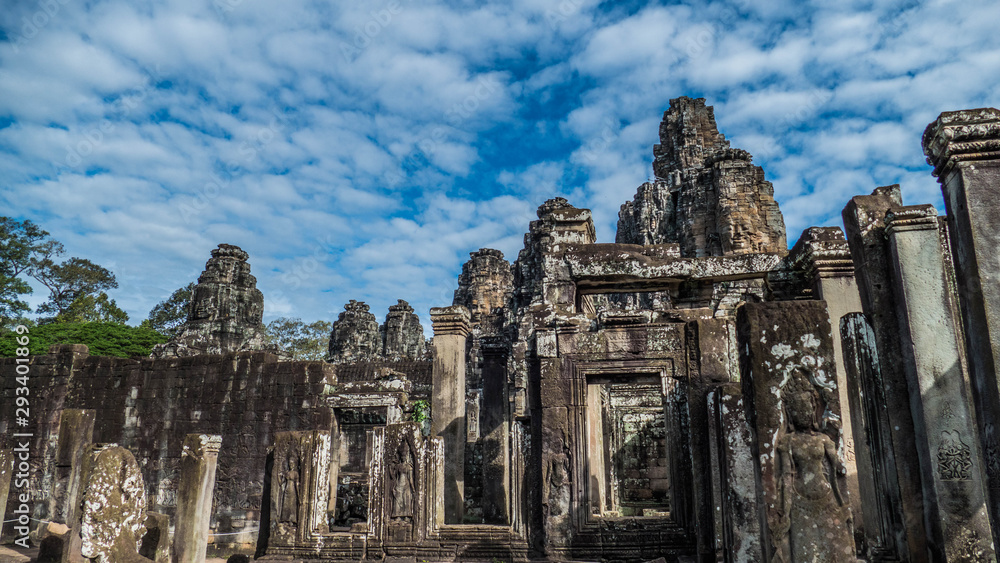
[[954, 457], [114, 507], [707, 197], [814, 519], [226, 310]]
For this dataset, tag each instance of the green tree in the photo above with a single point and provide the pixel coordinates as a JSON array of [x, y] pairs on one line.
[[102, 338], [302, 341], [22, 246], [169, 315], [69, 281], [93, 308]]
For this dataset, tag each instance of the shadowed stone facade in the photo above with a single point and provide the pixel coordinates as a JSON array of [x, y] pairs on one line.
[[694, 392]]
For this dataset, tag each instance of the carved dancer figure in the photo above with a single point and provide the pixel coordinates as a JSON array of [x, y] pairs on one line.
[[402, 482], [288, 513], [813, 525]]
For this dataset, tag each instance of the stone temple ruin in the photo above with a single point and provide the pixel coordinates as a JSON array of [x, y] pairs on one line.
[[693, 392]]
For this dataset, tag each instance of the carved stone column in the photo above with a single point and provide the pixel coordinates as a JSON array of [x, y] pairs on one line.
[[824, 257], [964, 148], [451, 328], [6, 472], [793, 407], [76, 432], [194, 497], [864, 222], [931, 339]]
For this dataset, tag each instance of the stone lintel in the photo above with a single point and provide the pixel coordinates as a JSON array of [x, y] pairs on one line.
[[822, 252], [911, 218], [451, 320], [961, 136]]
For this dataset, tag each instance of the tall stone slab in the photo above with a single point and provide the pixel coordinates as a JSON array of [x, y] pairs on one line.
[[964, 148], [824, 259], [737, 526], [885, 532], [199, 459], [451, 329], [793, 405], [864, 223], [76, 432], [952, 470], [112, 513], [6, 473]]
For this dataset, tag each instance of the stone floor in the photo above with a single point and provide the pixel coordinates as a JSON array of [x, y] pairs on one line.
[[8, 555]]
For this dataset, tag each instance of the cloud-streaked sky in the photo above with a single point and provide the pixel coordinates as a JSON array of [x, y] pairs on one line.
[[362, 150]]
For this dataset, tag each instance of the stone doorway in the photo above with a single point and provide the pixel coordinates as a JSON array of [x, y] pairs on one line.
[[630, 441]]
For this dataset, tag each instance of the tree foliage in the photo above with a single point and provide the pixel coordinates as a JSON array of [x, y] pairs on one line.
[[168, 315], [23, 245], [103, 338], [69, 281], [93, 308], [303, 341]]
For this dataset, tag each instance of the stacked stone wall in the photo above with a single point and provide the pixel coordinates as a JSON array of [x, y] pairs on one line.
[[148, 406]]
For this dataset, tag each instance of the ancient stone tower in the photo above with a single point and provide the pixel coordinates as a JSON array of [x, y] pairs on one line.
[[355, 334], [484, 285], [402, 335], [226, 309], [707, 197]]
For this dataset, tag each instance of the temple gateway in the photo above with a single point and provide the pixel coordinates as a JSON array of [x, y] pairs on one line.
[[693, 392]]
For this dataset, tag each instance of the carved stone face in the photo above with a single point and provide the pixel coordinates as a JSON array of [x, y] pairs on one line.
[[801, 408]]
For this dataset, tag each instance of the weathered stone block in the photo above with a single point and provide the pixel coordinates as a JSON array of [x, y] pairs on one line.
[[793, 406]]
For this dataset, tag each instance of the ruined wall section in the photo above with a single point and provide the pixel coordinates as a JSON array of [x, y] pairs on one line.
[[707, 197], [149, 405]]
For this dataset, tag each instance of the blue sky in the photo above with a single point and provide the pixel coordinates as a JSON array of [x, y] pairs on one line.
[[362, 150]]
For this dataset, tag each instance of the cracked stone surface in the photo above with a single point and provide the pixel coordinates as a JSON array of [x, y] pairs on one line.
[[226, 311], [706, 196]]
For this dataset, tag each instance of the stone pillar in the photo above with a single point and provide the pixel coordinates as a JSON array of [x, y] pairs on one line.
[[951, 466], [864, 223], [496, 438], [825, 259], [737, 518], [885, 532], [76, 432], [964, 148], [451, 328], [6, 472], [793, 406], [194, 497]]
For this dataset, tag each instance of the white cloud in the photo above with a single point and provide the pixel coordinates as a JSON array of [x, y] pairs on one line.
[[143, 135]]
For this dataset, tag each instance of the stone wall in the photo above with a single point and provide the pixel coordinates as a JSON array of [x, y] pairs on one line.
[[149, 405]]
